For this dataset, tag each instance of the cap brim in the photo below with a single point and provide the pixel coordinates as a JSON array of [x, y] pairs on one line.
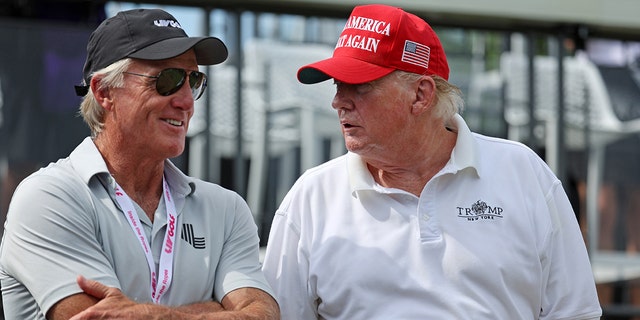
[[343, 69], [209, 50]]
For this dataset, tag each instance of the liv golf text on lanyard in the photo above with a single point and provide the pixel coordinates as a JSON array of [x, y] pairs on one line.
[[166, 256]]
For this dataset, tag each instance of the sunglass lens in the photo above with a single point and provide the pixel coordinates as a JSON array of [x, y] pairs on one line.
[[197, 83], [170, 81]]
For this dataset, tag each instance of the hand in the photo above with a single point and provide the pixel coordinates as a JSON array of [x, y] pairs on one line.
[[113, 304]]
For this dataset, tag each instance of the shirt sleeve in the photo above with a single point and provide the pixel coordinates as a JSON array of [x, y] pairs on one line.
[[569, 292], [286, 267], [239, 265], [50, 239]]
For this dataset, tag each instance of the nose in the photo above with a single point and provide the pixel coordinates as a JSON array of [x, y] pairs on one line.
[[183, 98], [342, 99]]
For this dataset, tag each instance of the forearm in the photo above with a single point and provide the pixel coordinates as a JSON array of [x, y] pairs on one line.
[[258, 310], [243, 303], [248, 303], [200, 308], [198, 311]]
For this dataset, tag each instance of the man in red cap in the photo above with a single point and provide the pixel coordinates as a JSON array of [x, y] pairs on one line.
[[421, 219], [115, 230]]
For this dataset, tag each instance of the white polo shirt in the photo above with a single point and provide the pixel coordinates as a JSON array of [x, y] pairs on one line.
[[492, 236], [64, 221]]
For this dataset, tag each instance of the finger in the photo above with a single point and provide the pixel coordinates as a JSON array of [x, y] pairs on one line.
[[78, 316], [92, 288]]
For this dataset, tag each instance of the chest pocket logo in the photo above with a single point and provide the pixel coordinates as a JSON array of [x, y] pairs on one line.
[[189, 236], [480, 210]]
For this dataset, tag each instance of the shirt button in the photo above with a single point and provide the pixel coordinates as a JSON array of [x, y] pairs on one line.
[[425, 217]]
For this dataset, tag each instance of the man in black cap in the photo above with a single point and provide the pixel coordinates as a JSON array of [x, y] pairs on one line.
[[115, 230]]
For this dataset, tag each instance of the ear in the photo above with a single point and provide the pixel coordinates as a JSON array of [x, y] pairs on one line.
[[425, 94], [102, 95]]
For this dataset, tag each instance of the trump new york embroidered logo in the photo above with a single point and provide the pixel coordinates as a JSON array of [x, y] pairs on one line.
[[480, 210]]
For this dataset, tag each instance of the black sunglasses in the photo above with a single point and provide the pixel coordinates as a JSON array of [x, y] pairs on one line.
[[169, 81]]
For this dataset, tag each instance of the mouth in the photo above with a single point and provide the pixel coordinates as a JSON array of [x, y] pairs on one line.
[[173, 122], [347, 125]]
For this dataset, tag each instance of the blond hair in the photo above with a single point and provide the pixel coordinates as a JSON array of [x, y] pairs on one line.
[[449, 99], [91, 111]]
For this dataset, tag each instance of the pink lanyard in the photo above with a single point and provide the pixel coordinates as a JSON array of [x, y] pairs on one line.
[[166, 256]]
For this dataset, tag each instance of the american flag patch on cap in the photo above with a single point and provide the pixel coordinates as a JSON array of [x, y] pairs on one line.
[[416, 53]]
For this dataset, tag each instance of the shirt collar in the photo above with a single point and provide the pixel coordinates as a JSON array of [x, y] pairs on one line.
[[464, 155], [359, 176], [88, 162]]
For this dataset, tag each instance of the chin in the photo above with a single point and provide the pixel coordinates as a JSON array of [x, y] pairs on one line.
[[354, 146], [174, 150]]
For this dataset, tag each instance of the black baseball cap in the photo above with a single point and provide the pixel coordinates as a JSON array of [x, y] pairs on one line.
[[150, 34]]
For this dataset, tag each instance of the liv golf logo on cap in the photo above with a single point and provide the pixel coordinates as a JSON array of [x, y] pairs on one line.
[[167, 23]]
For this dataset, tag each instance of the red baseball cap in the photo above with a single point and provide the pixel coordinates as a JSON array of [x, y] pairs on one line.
[[376, 40]]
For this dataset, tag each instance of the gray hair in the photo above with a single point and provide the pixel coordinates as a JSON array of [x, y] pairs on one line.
[[449, 97], [90, 110]]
